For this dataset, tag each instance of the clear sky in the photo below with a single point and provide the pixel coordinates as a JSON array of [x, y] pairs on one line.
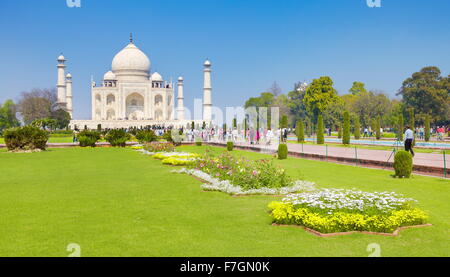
[[251, 43]]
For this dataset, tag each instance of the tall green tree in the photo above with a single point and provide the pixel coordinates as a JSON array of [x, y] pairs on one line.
[[428, 93], [8, 117], [319, 94], [61, 117], [320, 129], [346, 131], [300, 131], [296, 105], [357, 88]]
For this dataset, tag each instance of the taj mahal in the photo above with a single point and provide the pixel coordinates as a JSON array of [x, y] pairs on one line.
[[131, 96]]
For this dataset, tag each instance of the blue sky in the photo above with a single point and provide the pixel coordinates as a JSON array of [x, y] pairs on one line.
[[251, 43]]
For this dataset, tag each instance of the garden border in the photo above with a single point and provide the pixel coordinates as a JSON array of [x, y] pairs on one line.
[[324, 235]]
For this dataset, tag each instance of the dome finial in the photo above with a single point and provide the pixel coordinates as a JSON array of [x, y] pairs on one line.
[[131, 37]]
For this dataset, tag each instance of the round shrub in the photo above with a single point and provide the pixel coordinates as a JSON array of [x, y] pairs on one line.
[[88, 138], [403, 164], [230, 146], [117, 137], [282, 151], [25, 138], [146, 136]]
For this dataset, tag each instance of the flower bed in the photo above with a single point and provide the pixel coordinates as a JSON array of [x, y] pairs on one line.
[[215, 184], [337, 210], [244, 173], [155, 147]]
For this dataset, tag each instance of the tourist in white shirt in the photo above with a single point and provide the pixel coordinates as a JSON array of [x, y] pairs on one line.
[[409, 138]]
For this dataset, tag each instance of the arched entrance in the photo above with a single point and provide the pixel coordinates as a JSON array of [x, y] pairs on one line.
[[135, 106]]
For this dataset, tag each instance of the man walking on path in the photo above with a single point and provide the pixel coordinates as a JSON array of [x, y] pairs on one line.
[[409, 138]]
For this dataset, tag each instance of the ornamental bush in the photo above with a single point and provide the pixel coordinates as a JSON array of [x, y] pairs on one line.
[[282, 151], [117, 137], [346, 131], [300, 131], [403, 164], [230, 146], [357, 132], [144, 136], [320, 129], [25, 138], [427, 128], [88, 138], [198, 141]]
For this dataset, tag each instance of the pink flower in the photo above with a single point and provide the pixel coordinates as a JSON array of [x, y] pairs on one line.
[[255, 172]]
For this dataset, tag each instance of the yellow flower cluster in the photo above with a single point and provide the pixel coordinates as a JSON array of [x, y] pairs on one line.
[[165, 155], [177, 161], [137, 147], [286, 213]]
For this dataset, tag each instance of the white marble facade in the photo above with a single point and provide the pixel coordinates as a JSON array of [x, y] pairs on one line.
[[130, 96]]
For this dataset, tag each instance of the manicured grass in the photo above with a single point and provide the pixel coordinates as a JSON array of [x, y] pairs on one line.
[[118, 202]]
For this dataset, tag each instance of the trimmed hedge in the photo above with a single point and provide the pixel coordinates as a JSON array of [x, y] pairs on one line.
[[320, 129], [346, 129], [230, 146], [282, 151], [25, 138], [357, 131], [403, 164], [300, 131], [88, 138], [117, 138]]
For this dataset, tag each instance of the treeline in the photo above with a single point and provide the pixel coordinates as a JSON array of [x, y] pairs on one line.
[[422, 98], [37, 107]]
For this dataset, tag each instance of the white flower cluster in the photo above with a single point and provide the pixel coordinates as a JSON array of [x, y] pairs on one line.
[[143, 151], [214, 184], [332, 200], [175, 154]]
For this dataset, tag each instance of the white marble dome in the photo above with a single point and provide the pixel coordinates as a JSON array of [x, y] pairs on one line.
[[157, 77], [109, 76], [131, 59]]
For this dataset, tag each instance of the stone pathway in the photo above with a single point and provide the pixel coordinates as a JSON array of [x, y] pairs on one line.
[[435, 161]]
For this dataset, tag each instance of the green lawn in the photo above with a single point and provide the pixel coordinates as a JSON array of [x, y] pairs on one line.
[[118, 202]]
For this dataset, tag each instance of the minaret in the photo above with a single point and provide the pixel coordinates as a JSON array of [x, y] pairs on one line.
[[180, 108], [207, 102], [61, 85], [69, 94]]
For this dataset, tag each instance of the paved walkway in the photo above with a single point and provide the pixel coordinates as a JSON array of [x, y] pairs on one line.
[[420, 159]]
